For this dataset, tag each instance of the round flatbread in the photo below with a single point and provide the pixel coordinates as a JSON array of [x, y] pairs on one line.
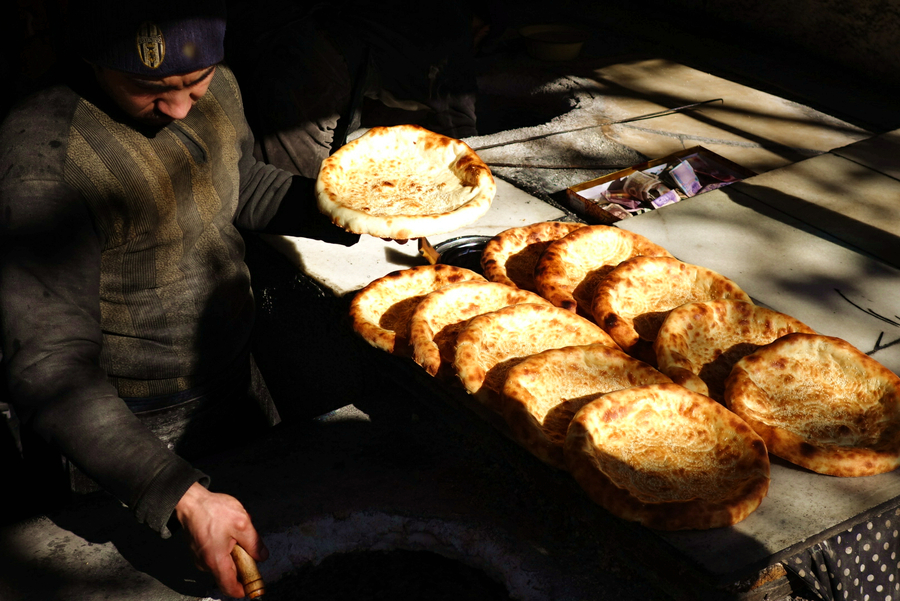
[[542, 393], [570, 268], [699, 343], [442, 314], [404, 182], [635, 298], [668, 458], [511, 256], [380, 312], [492, 343], [820, 403]]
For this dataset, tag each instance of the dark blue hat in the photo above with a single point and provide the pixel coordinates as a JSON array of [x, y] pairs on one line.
[[156, 38]]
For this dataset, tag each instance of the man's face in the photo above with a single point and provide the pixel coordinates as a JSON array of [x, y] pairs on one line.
[[155, 100]]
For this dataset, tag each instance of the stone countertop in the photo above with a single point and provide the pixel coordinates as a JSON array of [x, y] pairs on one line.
[[342, 270], [782, 262]]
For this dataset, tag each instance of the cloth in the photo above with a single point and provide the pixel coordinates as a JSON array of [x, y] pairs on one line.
[[122, 273], [855, 564]]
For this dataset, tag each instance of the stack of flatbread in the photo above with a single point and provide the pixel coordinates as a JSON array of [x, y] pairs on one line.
[[658, 384]]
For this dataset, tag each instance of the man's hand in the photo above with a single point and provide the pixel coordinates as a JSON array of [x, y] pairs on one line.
[[214, 522]]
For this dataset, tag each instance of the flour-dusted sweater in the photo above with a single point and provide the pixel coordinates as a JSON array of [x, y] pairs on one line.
[[122, 273]]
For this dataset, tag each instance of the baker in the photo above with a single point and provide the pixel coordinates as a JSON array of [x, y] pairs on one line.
[[123, 290]]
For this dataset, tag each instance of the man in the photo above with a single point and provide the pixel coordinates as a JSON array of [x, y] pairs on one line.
[[123, 292]]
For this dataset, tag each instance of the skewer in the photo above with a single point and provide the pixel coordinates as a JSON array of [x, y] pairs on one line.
[[653, 115]]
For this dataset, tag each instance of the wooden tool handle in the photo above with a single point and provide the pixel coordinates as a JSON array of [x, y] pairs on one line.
[[428, 251], [247, 573]]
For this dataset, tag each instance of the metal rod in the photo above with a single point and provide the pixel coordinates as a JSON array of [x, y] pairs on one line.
[[662, 113], [539, 166]]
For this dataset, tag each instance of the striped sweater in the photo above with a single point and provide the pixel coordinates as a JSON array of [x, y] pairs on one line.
[[122, 273]]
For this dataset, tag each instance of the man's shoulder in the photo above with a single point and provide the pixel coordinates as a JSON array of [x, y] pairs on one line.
[[55, 103], [224, 83], [34, 140], [42, 118]]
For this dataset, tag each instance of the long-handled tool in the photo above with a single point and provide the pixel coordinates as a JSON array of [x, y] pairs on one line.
[[248, 574]]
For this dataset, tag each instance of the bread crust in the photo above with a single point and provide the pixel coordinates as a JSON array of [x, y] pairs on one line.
[[699, 342], [667, 457], [511, 256], [542, 393], [820, 403], [570, 268], [404, 182], [492, 343], [380, 311], [441, 315], [636, 297]]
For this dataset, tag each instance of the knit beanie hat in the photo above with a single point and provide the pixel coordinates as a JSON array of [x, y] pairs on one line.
[[155, 38]]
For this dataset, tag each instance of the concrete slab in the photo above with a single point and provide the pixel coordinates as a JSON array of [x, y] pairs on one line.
[[879, 153], [752, 128], [786, 265], [845, 198], [341, 270]]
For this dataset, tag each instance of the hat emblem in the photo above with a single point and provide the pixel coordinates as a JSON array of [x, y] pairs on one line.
[[151, 45]]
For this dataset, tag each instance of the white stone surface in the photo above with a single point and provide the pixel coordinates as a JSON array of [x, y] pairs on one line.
[[849, 200], [782, 263], [836, 290], [342, 269], [878, 153]]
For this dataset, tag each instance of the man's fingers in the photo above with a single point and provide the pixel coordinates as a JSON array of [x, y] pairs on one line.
[[225, 574], [253, 543]]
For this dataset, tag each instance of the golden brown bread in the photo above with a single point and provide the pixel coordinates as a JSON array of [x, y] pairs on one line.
[[820, 403], [443, 313], [511, 256], [700, 342], [635, 298], [380, 312], [667, 457], [571, 267], [404, 182], [543, 392], [492, 343]]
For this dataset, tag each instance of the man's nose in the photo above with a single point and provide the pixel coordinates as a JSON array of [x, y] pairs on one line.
[[176, 105]]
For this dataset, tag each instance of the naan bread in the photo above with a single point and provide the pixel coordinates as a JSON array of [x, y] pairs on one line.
[[820, 403], [511, 256], [380, 312], [404, 182], [700, 342], [443, 313], [543, 392], [635, 298], [668, 458], [570, 268], [491, 344]]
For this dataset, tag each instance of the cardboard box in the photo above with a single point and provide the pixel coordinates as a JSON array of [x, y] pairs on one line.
[[592, 199]]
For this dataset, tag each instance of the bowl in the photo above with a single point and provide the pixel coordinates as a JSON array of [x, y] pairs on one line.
[[552, 42], [464, 251]]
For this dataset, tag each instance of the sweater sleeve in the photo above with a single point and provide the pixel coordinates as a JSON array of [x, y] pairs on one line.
[[51, 335], [274, 201]]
